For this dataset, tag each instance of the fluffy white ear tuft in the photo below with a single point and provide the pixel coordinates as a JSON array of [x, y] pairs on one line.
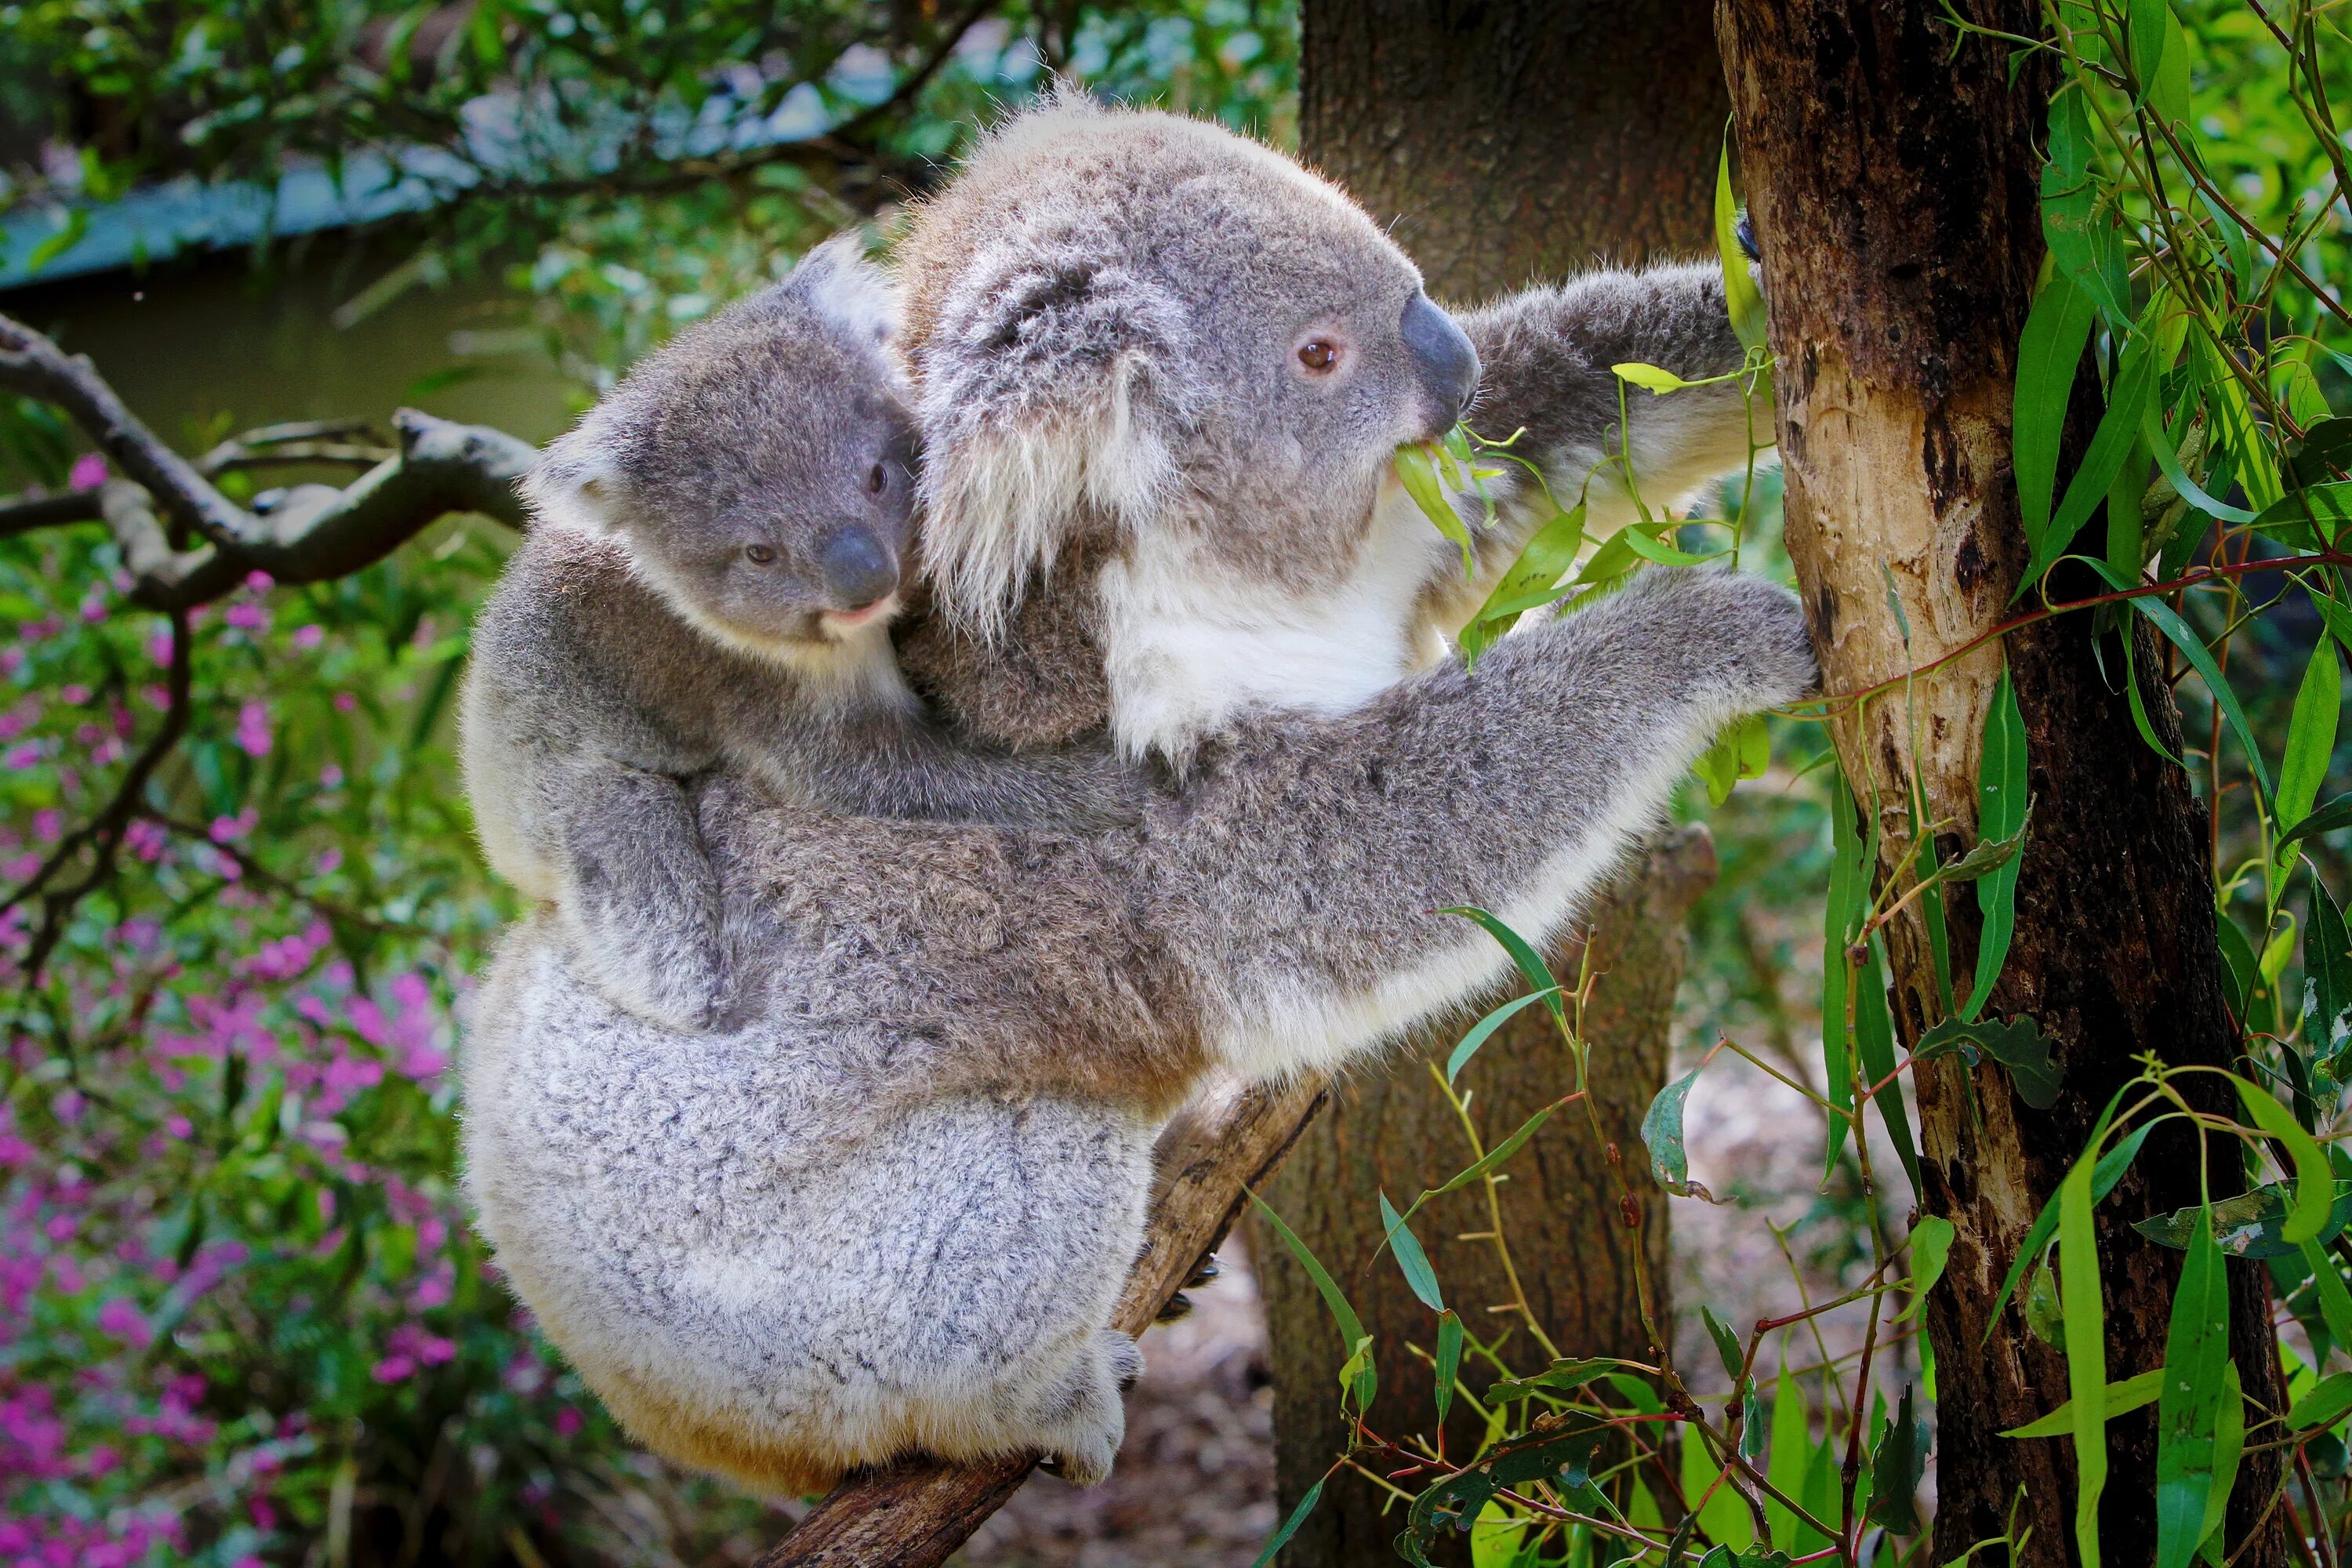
[[837, 280], [1051, 396], [576, 482]]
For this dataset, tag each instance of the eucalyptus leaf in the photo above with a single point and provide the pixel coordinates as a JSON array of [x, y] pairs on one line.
[[2196, 1361], [2001, 810], [2017, 1044], [2252, 1224], [2122, 1398], [1662, 1134], [1410, 1258], [1896, 1464]]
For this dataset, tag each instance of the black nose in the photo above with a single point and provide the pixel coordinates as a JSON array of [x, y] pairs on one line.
[[1442, 352], [860, 569]]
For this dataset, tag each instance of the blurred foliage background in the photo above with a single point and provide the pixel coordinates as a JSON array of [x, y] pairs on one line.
[[242, 1318]]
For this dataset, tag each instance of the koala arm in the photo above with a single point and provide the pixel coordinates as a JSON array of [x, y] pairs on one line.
[[1275, 915], [639, 896], [1546, 354], [912, 768]]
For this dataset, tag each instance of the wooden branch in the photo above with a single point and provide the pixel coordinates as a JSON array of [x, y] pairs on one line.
[[916, 1512], [316, 533]]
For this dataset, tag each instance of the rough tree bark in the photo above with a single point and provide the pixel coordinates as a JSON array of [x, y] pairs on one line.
[[1509, 142], [1891, 168]]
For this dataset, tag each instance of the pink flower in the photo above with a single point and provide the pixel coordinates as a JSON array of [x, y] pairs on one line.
[[308, 637], [89, 472], [253, 730], [122, 1320], [345, 702], [145, 839], [247, 618], [73, 694], [393, 1369], [48, 823], [567, 1422], [260, 582]]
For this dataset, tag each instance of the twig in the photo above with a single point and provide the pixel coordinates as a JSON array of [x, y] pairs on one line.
[[102, 836], [914, 1513]]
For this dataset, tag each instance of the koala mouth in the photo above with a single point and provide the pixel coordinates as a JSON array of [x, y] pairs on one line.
[[839, 623]]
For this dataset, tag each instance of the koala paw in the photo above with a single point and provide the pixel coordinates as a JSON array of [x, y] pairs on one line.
[[1743, 637], [1082, 1434]]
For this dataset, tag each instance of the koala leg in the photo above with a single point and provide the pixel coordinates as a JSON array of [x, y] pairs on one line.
[[1081, 1420], [641, 901]]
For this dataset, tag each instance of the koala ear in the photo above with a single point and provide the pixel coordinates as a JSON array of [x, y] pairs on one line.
[[1052, 399], [837, 280], [577, 481]]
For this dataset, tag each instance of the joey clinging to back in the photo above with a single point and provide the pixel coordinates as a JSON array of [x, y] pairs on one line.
[[718, 549]]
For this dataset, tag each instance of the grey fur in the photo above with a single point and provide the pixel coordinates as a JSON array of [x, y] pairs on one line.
[[893, 1210], [632, 645]]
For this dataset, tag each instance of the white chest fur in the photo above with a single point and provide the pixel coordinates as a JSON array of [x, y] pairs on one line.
[[1189, 642]]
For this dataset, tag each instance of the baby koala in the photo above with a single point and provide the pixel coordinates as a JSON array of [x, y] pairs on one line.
[[715, 558]]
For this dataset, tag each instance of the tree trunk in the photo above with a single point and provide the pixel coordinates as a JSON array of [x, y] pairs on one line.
[[1891, 170], [1510, 142], [1513, 139]]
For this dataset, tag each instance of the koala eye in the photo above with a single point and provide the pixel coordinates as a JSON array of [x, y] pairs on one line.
[[878, 480], [1318, 356], [759, 555]]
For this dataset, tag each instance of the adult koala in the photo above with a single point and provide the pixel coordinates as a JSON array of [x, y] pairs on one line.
[[1162, 372]]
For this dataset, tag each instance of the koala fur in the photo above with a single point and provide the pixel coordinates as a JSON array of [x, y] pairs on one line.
[[790, 1249], [633, 643]]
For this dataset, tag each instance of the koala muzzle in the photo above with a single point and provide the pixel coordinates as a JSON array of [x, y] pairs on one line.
[[858, 568], [1441, 353]]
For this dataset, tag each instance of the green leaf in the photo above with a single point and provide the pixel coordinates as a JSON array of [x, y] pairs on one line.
[[2192, 647], [1931, 1249], [1662, 1134], [2322, 506], [2325, 451], [2228, 1447], [2310, 734], [1638, 539], [2335, 1301], [2136, 380], [1791, 1452], [1352, 1327], [1726, 1343], [1416, 470], [2196, 1359], [1449, 1361], [2235, 430], [2072, 221], [1563, 1376], [1988, 856], [2315, 1180], [2122, 1399], [2252, 1224], [1722, 1515], [2327, 972], [2001, 808], [2085, 1305], [75, 228], [1484, 1029], [1649, 375], [1410, 1258], [1740, 294], [1492, 1157], [1532, 580], [1531, 966], [1842, 916], [1897, 1466], [2017, 1044], [1281, 1538], [2048, 354], [2325, 1404], [2336, 814], [1874, 1036]]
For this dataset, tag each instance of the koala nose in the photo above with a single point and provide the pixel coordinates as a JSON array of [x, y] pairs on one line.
[[860, 569], [1442, 352]]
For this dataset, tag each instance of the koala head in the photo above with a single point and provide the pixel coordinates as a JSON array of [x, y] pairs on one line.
[[759, 466], [1121, 322]]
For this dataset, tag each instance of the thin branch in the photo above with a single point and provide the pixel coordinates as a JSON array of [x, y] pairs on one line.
[[102, 836], [23, 514]]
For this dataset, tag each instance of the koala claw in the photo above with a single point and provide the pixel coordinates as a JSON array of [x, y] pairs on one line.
[[1179, 1305], [1082, 1438]]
